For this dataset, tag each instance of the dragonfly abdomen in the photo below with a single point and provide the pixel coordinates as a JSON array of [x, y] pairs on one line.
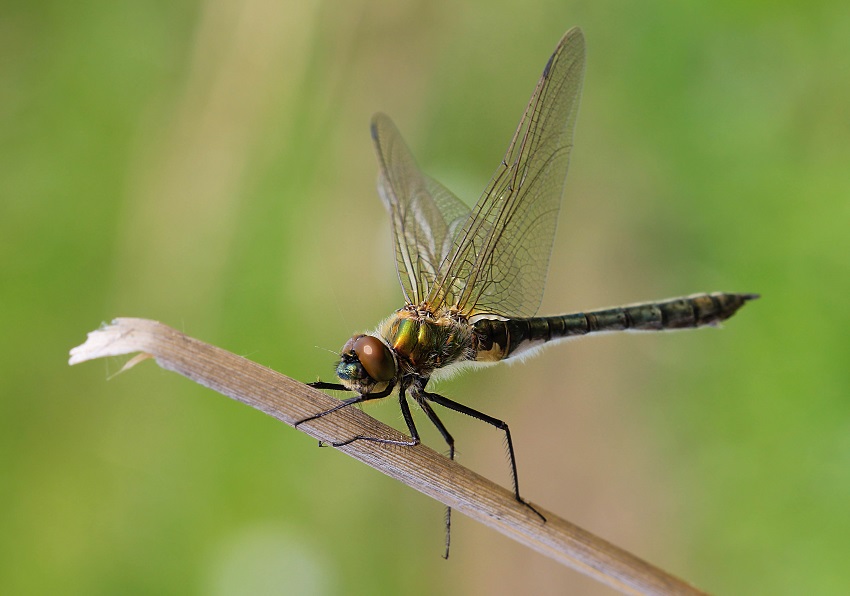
[[501, 339]]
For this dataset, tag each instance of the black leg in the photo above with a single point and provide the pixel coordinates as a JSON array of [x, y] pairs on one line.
[[346, 402], [432, 416], [453, 405], [408, 418], [332, 386]]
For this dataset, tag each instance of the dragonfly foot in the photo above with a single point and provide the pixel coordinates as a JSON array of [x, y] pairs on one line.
[[530, 506]]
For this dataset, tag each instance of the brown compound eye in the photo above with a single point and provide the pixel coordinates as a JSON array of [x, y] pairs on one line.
[[375, 358], [348, 348]]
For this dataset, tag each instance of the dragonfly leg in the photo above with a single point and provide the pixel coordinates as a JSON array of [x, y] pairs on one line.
[[408, 419], [432, 416], [501, 425], [330, 386], [344, 403]]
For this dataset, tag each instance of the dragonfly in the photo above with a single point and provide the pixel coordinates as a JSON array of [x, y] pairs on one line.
[[473, 279]]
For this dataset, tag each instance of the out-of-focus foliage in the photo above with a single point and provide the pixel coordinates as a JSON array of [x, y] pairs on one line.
[[209, 165]]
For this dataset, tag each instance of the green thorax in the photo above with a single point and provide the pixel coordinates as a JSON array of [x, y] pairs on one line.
[[424, 342]]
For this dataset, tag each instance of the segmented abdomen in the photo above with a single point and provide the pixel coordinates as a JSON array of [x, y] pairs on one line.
[[497, 340]]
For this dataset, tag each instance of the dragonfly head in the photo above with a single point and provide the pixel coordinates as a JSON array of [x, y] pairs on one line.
[[365, 363]]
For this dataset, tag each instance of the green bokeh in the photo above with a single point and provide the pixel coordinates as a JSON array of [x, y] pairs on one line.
[[209, 165]]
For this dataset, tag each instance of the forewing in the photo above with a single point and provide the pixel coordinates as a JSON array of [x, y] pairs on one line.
[[501, 255], [425, 215]]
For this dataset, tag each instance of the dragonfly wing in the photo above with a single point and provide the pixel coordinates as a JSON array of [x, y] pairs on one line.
[[500, 256], [425, 215]]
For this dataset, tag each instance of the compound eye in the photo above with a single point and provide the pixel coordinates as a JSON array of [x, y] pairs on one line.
[[348, 348], [375, 358]]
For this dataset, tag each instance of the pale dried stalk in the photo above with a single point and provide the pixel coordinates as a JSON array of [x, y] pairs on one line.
[[419, 467]]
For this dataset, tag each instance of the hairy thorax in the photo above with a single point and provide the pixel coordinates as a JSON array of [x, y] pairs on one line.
[[425, 341]]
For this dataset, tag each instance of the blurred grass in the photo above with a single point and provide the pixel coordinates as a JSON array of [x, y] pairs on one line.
[[209, 165]]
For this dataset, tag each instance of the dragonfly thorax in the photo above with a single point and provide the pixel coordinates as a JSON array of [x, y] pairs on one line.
[[424, 341]]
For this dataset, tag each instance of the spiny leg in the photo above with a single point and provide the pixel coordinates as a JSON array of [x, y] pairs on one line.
[[453, 405], [344, 403], [408, 418], [432, 416]]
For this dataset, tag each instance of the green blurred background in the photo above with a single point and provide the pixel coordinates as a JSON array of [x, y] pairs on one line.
[[208, 164]]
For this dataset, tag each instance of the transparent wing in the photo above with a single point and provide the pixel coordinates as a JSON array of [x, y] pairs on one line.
[[500, 256], [425, 215]]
